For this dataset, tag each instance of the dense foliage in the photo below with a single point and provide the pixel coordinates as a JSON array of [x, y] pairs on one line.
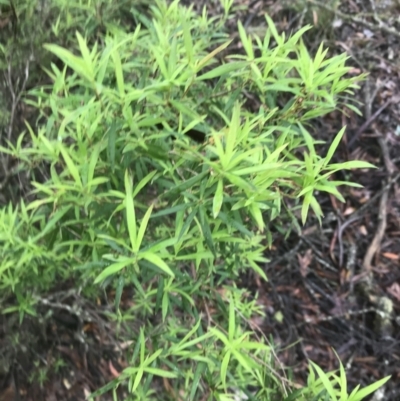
[[148, 167]]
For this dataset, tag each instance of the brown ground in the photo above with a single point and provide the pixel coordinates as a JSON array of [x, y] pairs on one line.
[[318, 291], [339, 285]]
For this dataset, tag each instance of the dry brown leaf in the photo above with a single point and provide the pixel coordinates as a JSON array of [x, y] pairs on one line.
[[304, 262], [114, 372], [66, 383], [86, 392], [389, 255], [348, 211], [363, 230], [394, 290]]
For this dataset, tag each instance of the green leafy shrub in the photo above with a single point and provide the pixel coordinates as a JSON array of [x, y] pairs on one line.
[[123, 195]]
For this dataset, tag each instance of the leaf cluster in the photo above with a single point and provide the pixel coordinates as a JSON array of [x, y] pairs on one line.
[[121, 195]]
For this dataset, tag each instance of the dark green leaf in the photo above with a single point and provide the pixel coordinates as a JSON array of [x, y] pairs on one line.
[[207, 230]]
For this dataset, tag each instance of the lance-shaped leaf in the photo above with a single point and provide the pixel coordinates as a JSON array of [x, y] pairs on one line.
[[130, 211], [218, 198], [142, 229], [71, 166], [156, 260]]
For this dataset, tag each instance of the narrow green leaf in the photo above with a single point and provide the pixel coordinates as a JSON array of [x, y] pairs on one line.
[[232, 132], [309, 188], [143, 182], [240, 182], [257, 214], [190, 333], [351, 164], [159, 56], [187, 38], [198, 373], [350, 184], [142, 229], [184, 109], [112, 136], [164, 306], [94, 157], [306, 205], [161, 245], [246, 41], [172, 210], [245, 361], [160, 292], [196, 255], [138, 378], [251, 345], [316, 208], [273, 30], [97, 181], [343, 381], [355, 109], [172, 59], [188, 183], [55, 218], [330, 189], [205, 226], [334, 145], [361, 394], [326, 382], [73, 170], [232, 320], [142, 345], [257, 269], [112, 269], [230, 222], [223, 69], [130, 211], [218, 198], [295, 395], [161, 373], [188, 222], [187, 344], [77, 64], [119, 74], [259, 168], [118, 291], [353, 393], [309, 141], [156, 260], [85, 54], [224, 368], [204, 61]]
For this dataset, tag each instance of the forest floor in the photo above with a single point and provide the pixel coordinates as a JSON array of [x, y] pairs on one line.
[[317, 299]]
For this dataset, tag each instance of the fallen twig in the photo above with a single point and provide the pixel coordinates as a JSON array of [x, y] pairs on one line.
[[369, 121], [375, 244]]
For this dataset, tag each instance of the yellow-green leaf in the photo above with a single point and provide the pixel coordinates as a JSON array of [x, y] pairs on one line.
[[218, 198], [156, 260], [130, 211], [71, 166], [142, 229]]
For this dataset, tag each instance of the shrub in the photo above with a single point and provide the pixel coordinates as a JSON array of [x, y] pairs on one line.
[[150, 171]]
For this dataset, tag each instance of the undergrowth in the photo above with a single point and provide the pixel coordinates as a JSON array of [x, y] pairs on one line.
[[145, 168]]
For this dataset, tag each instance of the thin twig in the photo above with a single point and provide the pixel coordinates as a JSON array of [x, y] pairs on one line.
[[341, 229], [380, 232], [375, 244], [369, 121]]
